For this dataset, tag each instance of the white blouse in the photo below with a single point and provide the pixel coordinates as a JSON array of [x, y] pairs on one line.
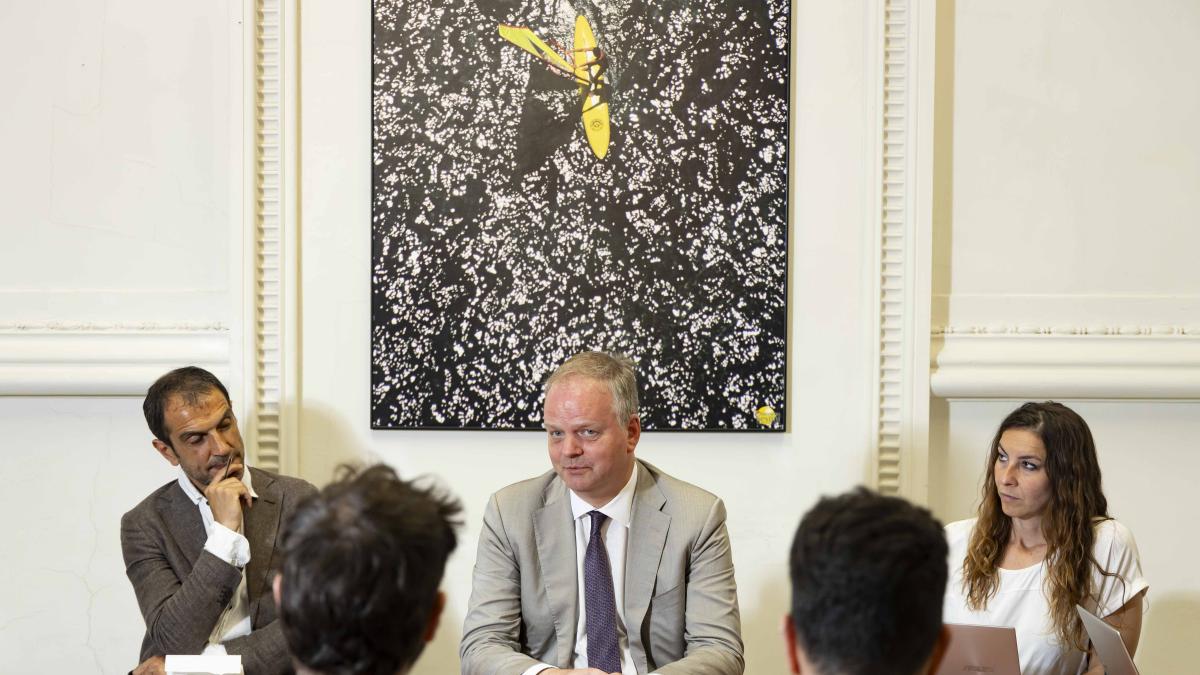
[[1021, 603]]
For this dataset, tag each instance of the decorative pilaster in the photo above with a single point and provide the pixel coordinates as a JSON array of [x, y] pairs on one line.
[[904, 165], [274, 246]]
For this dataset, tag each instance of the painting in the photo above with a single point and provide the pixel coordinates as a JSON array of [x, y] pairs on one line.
[[551, 176]]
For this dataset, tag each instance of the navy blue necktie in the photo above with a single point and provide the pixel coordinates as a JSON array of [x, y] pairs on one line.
[[600, 607]]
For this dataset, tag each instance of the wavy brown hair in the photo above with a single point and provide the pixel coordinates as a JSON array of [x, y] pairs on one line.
[[1076, 503]]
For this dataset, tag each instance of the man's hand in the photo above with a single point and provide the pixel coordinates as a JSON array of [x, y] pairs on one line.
[[155, 665], [575, 671], [227, 495]]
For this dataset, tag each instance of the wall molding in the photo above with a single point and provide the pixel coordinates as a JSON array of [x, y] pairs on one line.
[[90, 327], [98, 359], [272, 295], [1147, 362], [1050, 310], [1104, 330], [902, 219]]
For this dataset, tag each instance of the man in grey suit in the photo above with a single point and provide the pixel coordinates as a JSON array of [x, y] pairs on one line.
[[604, 564], [199, 550]]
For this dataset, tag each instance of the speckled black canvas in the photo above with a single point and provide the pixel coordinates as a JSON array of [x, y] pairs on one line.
[[502, 244]]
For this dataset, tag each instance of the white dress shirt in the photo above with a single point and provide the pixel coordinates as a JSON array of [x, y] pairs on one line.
[[615, 532], [233, 548]]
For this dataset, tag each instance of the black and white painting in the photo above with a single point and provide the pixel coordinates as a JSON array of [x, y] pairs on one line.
[[552, 176]]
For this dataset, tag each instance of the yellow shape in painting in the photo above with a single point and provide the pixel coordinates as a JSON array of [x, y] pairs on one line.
[[526, 39], [765, 415], [591, 79]]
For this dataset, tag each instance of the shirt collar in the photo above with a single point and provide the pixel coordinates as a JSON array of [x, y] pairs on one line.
[[618, 509], [196, 496]]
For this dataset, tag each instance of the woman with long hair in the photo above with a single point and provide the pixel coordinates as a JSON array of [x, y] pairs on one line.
[[1042, 543]]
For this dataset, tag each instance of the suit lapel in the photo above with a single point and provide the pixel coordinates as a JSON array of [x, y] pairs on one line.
[[262, 525], [554, 530], [647, 539], [183, 521]]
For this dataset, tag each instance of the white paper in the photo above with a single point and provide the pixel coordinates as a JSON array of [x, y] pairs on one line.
[[210, 664]]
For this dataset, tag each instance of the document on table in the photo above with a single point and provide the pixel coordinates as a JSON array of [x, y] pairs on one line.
[[211, 664]]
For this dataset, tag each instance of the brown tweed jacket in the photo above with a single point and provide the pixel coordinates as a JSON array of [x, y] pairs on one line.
[[182, 589]]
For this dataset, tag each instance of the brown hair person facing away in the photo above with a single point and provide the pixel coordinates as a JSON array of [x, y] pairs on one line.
[[868, 575], [362, 562]]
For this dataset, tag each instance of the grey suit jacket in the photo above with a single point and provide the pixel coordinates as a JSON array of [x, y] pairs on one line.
[[182, 589], [680, 603]]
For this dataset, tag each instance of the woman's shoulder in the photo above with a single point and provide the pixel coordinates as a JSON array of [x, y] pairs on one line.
[[961, 525], [1112, 534], [1115, 554], [959, 531]]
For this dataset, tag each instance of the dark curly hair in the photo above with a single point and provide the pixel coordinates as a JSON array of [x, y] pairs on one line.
[[868, 578], [362, 561]]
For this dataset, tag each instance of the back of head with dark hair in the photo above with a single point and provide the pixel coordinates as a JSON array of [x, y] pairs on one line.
[[868, 575], [362, 562], [189, 382]]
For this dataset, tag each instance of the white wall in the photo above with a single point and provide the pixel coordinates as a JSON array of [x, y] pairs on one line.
[[1068, 175], [72, 467], [766, 480], [120, 185], [118, 177], [1074, 164]]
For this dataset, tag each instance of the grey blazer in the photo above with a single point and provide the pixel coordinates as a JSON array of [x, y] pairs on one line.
[[182, 589], [680, 602]]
